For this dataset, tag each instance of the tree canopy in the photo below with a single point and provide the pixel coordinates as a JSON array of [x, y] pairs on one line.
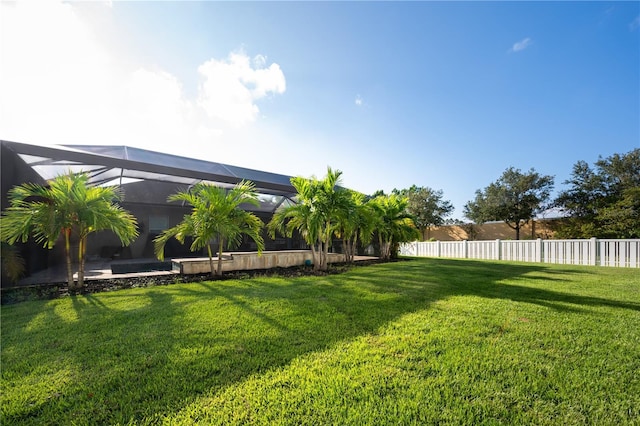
[[215, 214], [426, 207], [356, 223], [320, 205], [394, 224], [514, 198], [603, 201], [67, 206]]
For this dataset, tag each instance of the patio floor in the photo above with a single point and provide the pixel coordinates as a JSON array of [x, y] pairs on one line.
[[95, 270], [101, 270]]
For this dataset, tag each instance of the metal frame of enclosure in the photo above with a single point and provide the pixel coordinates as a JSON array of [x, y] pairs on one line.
[[146, 179]]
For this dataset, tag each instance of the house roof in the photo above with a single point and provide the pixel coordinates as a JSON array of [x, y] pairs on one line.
[[121, 165]]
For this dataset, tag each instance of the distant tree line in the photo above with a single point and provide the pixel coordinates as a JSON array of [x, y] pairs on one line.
[[602, 201], [515, 198]]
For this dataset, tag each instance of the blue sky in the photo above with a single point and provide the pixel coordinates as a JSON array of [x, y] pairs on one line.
[[445, 95]]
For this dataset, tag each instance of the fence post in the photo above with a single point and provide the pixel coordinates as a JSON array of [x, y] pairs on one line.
[[438, 248], [540, 251], [593, 251], [498, 249], [466, 248]]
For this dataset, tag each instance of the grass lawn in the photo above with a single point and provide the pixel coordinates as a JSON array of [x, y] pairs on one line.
[[417, 342]]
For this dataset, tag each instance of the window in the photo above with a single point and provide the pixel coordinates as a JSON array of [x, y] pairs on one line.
[[158, 223]]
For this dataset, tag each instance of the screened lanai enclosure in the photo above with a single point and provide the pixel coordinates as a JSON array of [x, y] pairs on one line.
[[146, 179]]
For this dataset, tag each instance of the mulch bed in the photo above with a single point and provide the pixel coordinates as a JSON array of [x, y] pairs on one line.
[[61, 289]]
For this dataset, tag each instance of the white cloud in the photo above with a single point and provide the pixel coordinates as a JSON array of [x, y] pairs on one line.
[[230, 87], [358, 100], [521, 45], [58, 84], [156, 110], [635, 24], [259, 61]]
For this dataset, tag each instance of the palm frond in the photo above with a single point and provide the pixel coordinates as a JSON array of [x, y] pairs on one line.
[[215, 213]]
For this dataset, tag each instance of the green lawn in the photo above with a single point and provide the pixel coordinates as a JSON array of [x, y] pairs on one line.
[[416, 342]]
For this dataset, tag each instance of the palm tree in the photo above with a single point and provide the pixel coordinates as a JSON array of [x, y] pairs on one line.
[[394, 224], [330, 203], [316, 214], [215, 213], [320, 203], [297, 217], [355, 221], [67, 206]]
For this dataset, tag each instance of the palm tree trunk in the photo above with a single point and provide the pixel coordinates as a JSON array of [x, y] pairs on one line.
[[354, 245], [210, 259], [322, 259], [385, 250], [345, 249], [385, 247], [219, 271], [317, 252], [321, 256], [81, 252], [317, 263], [67, 252], [327, 244], [325, 257], [315, 255]]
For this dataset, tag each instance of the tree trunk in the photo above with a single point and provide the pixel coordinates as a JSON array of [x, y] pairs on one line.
[[325, 263], [345, 249], [81, 252], [533, 229], [321, 264], [354, 246], [211, 269], [516, 227], [219, 271], [349, 250], [67, 252], [314, 256], [325, 248], [385, 249]]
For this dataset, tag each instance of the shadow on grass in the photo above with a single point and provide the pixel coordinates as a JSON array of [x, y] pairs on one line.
[[485, 279], [139, 357]]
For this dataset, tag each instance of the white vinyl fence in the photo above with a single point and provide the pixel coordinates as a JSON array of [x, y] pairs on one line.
[[619, 253]]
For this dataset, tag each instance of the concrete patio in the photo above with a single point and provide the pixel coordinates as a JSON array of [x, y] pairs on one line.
[[104, 269]]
